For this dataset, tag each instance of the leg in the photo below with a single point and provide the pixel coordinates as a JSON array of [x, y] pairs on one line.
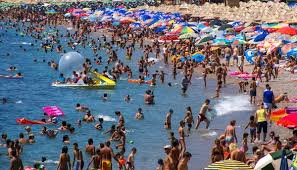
[[207, 123], [198, 122]]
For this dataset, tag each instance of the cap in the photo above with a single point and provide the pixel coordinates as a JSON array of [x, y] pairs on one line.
[[167, 147]]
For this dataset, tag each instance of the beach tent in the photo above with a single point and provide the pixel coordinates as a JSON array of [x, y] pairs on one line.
[[287, 47], [273, 160], [292, 52], [198, 57], [228, 164]]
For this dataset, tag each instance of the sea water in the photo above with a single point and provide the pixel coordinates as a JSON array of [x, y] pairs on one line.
[[27, 96]]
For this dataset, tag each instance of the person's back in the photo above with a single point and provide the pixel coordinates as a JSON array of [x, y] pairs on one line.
[[268, 96], [238, 155], [16, 163], [174, 154], [106, 155], [64, 160]]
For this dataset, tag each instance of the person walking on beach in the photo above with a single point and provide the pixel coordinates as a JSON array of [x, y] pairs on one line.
[[64, 161], [15, 162], [253, 91], [261, 117], [78, 157], [230, 134], [202, 114], [268, 99], [167, 124]]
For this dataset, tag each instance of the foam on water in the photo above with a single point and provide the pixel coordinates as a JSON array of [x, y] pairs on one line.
[[19, 102], [23, 43], [107, 118], [229, 104], [48, 162], [211, 133], [153, 59]]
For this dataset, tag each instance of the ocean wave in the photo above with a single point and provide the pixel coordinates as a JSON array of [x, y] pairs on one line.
[[229, 104]]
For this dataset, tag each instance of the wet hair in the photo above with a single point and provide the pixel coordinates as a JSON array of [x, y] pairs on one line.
[[174, 143], [187, 154], [139, 109], [105, 95], [90, 141], [134, 149], [101, 145], [207, 101], [160, 162], [107, 143], [117, 112], [65, 138], [64, 123], [77, 105], [64, 149], [171, 133], [21, 135], [71, 129], [181, 123]]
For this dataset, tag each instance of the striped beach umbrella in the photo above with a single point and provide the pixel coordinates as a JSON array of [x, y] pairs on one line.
[[228, 165], [273, 160]]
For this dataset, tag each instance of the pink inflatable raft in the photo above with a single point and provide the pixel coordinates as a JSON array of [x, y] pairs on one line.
[[236, 73], [53, 111]]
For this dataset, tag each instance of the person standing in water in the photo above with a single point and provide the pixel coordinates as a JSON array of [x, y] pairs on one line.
[[189, 119], [167, 124], [106, 157], [182, 136], [15, 163], [96, 160], [78, 157], [183, 163], [202, 114], [185, 84], [64, 161], [130, 161]]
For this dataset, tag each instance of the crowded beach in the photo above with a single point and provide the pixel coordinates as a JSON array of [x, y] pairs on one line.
[[248, 51]]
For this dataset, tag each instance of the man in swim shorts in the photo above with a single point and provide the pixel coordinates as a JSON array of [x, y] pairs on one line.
[[78, 157], [106, 157], [202, 114]]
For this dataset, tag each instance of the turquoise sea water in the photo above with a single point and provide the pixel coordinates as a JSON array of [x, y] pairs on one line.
[[27, 96]]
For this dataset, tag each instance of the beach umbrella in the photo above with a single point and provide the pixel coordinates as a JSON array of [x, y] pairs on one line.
[[198, 57], [284, 162], [261, 36], [228, 164], [225, 26], [188, 35], [186, 30], [287, 47], [239, 42], [288, 31], [116, 23], [273, 160], [249, 55], [289, 121], [205, 39]]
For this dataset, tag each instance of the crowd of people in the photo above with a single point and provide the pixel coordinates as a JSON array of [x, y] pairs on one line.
[[216, 64]]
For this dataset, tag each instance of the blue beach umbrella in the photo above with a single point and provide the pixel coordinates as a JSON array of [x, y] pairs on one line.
[[249, 55], [292, 53], [198, 57], [284, 161]]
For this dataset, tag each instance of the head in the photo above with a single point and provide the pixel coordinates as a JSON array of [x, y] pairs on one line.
[[160, 162], [118, 113], [65, 138], [107, 143], [139, 110], [245, 135], [90, 141], [233, 122], [134, 150], [272, 134], [170, 111], [267, 86], [77, 105], [232, 147], [75, 146], [207, 101], [167, 149], [21, 135], [171, 134], [187, 155], [100, 120], [182, 123], [4, 136], [217, 142], [65, 149], [252, 118]]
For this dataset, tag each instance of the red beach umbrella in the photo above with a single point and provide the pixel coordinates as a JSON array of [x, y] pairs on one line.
[[289, 121], [288, 31]]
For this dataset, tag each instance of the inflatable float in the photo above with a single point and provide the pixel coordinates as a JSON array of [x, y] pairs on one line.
[[23, 121], [100, 81], [53, 111], [138, 81], [10, 77]]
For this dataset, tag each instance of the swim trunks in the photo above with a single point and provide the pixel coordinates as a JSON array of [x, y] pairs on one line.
[[229, 139], [106, 165], [189, 125], [202, 117]]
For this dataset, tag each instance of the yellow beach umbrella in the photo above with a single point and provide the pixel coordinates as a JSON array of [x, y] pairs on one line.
[[228, 165]]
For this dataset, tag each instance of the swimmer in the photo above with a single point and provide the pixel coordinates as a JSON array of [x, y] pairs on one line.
[[81, 108], [139, 114], [127, 98], [18, 75], [104, 97], [202, 114], [12, 68], [4, 100], [99, 126], [66, 139]]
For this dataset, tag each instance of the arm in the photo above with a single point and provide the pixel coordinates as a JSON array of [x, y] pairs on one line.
[[59, 164], [81, 158], [247, 126], [235, 137], [73, 160]]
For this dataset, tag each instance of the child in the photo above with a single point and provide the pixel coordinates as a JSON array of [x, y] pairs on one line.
[[253, 127], [244, 148], [98, 126]]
